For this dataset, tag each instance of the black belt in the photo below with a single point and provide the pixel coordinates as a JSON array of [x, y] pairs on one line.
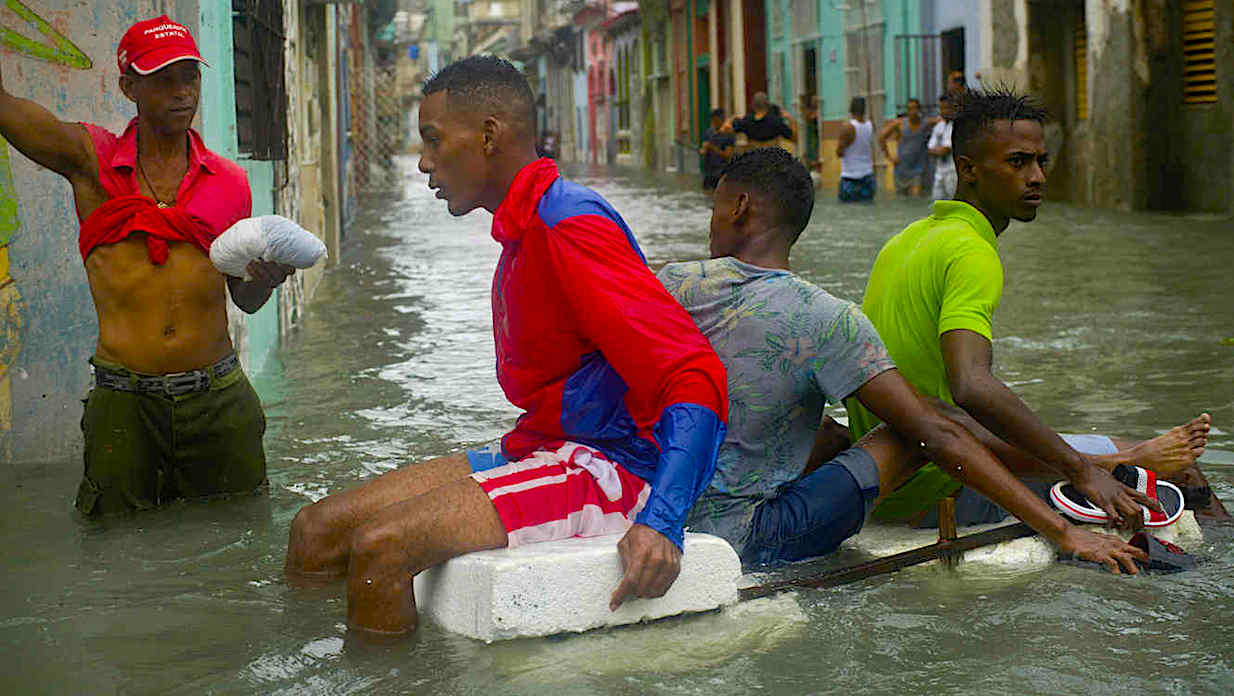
[[173, 384]]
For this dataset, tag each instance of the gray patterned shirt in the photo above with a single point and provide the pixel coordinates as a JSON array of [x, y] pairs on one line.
[[790, 348]]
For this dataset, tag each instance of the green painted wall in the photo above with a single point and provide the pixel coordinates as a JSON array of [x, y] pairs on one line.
[[833, 88], [899, 17], [218, 129]]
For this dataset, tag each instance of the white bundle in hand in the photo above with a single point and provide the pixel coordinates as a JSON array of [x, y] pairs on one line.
[[267, 238]]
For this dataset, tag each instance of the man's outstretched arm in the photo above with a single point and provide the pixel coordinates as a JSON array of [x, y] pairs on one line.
[[884, 135], [968, 357], [64, 148], [890, 397]]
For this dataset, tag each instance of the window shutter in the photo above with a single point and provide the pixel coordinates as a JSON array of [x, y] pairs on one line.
[[1199, 59]]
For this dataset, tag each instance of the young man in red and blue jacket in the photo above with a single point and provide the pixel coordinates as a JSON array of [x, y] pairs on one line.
[[625, 401]]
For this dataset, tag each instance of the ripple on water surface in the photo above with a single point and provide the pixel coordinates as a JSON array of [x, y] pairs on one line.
[[393, 362]]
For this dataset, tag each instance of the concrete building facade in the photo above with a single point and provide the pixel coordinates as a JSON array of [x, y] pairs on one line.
[[1140, 91]]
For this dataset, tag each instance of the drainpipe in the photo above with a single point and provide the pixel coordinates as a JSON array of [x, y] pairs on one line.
[[713, 35], [737, 56]]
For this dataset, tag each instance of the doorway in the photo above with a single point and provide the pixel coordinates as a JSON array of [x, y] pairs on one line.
[[952, 47]]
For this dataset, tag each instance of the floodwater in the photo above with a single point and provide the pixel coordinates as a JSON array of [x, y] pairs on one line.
[[1111, 322]]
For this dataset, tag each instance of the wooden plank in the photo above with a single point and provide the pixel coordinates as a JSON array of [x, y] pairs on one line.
[[947, 530], [891, 564]]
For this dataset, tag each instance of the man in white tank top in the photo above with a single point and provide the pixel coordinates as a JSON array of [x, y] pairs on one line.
[[856, 153]]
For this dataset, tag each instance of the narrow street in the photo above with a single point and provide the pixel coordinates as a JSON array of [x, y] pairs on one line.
[[394, 362]]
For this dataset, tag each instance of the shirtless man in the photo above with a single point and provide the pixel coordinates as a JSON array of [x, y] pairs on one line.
[[790, 347], [624, 400], [932, 294], [171, 413]]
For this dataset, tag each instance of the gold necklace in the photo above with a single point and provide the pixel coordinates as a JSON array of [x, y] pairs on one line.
[[157, 198]]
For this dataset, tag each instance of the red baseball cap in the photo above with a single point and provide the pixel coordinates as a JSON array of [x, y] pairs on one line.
[[154, 44]]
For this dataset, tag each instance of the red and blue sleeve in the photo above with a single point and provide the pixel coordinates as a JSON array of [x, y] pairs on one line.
[[674, 377]]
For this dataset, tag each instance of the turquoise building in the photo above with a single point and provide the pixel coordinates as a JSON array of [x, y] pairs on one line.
[[836, 50]]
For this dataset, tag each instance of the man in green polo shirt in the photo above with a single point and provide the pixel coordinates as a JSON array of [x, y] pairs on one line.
[[931, 296]]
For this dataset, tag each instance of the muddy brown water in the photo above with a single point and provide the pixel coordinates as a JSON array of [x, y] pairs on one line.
[[1111, 322]]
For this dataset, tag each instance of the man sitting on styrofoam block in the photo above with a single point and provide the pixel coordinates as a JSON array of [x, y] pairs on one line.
[[625, 401]]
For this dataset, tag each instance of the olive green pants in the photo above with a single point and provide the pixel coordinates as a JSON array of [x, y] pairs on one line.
[[144, 449]]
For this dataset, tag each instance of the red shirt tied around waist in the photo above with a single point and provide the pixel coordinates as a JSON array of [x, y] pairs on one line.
[[213, 196]]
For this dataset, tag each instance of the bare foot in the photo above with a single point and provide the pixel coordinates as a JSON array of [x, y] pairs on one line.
[[380, 608], [1200, 498], [1174, 451]]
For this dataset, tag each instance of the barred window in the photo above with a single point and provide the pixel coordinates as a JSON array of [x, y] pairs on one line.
[[776, 19], [863, 70], [804, 15], [863, 50], [261, 95], [1199, 58]]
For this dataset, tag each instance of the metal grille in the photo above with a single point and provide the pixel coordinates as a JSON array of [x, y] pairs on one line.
[[917, 71], [775, 20], [804, 17], [1199, 58], [863, 71], [261, 94], [378, 128], [863, 48], [861, 13]]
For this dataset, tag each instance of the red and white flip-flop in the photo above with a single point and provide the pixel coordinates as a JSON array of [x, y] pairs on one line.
[[1073, 504]]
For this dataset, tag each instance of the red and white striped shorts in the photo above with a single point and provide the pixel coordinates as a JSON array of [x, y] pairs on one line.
[[571, 491]]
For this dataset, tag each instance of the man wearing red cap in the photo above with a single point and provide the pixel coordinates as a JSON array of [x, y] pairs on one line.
[[171, 413]]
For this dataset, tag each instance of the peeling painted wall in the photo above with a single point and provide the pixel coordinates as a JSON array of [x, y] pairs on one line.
[[1204, 135], [1006, 32], [1141, 146]]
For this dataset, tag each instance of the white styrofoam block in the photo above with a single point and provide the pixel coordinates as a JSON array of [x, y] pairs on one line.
[[1028, 552], [565, 586], [692, 644]]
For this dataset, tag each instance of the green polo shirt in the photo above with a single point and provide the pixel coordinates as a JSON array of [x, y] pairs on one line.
[[940, 274]]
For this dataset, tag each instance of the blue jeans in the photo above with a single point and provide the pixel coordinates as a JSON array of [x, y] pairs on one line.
[[857, 190], [973, 508], [812, 515]]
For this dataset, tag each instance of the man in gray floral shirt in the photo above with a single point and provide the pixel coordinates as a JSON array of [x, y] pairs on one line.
[[790, 348]]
